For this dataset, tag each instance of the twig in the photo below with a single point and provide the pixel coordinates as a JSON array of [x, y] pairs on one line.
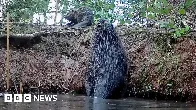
[[7, 61]]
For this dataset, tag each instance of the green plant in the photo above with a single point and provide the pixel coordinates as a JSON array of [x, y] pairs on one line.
[[172, 18], [23, 10]]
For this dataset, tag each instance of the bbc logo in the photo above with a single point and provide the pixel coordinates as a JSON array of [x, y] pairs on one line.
[[17, 97], [28, 97]]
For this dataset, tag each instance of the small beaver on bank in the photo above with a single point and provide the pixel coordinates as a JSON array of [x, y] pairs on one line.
[[80, 18]]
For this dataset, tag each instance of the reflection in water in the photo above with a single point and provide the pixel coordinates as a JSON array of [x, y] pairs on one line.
[[66, 102], [95, 104]]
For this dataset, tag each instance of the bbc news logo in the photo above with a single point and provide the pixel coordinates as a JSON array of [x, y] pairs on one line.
[[28, 98]]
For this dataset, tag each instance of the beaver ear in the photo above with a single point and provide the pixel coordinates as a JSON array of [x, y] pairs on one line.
[[102, 21], [99, 24]]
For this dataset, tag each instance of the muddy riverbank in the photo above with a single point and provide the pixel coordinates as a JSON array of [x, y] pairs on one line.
[[57, 63]]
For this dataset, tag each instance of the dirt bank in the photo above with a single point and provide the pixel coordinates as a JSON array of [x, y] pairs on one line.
[[58, 63]]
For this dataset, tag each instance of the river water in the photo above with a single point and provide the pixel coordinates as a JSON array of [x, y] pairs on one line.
[[67, 102]]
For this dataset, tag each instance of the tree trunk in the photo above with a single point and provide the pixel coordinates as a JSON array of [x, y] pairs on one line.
[[56, 6], [45, 18]]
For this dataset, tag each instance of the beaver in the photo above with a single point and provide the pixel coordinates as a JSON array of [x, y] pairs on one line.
[[80, 18], [106, 76]]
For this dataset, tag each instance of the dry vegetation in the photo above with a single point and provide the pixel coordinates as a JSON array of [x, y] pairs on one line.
[[59, 62]]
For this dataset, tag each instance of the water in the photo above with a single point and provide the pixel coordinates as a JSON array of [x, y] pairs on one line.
[[66, 102]]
